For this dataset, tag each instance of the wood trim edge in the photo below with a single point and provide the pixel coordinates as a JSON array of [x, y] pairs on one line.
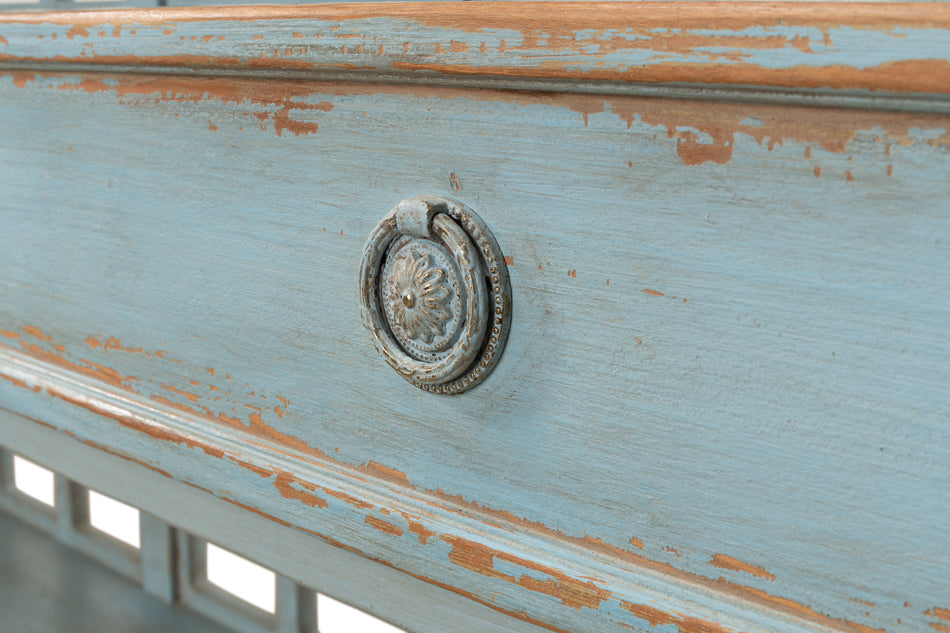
[[563, 584], [816, 47]]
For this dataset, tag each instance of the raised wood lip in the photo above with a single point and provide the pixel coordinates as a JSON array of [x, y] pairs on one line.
[[584, 572], [815, 47]]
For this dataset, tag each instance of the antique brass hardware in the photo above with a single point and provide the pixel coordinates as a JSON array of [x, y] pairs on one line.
[[435, 294]]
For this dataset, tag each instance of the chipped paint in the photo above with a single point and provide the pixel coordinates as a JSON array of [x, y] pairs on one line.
[[783, 44], [734, 564], [20, 383], [386, 473], [702, 134], [85, 367], [797, 608], [35, 332], [574, 593], [278, 104], [292, 487], [684, 624], [193, 397], [153, 431], [421, 531], [349, 499], [260, 471], [383, 526]]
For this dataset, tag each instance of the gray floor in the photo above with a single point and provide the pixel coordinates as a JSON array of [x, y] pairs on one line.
[[47, 588]]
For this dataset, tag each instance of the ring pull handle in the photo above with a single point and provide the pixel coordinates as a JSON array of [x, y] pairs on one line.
[[435, 294]]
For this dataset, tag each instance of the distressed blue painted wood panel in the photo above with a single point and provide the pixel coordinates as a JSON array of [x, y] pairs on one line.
[[723, 403], [730, 345]]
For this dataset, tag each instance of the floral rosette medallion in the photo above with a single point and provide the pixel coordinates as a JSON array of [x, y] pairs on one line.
[[435, 294], [422, 297]]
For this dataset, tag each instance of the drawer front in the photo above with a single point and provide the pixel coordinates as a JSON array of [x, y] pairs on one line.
[[723, 402]]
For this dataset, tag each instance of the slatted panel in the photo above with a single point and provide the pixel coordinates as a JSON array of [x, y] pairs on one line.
[[170, 564], [167, 569]]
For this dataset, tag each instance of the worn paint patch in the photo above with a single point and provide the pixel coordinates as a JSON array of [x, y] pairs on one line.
[[939, 612], [421, 531], [112, 344], [798, 608], [691, 42], [277, 102], [260, 471], [480, 558], [85, 367], [683, 623], [193, 397], [385, 473], [734, 564], [36, 332], [20, 383], [931, 76], [292, 487], [703, 133], [349, 499], [383, 526], [153, 431], [721, 584]]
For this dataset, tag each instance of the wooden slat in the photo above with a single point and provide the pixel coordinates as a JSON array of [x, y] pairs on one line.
[[159, 558]]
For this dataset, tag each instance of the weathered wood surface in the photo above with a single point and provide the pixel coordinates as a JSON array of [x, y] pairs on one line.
[[724, 397], [876, 47]]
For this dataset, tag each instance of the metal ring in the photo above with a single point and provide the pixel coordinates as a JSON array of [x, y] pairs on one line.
[[435, 294]]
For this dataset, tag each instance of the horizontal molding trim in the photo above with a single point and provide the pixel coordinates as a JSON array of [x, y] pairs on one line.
[[541, 580], [850, 48]]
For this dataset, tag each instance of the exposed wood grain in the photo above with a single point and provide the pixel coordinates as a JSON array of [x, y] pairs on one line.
[[877, 47]]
